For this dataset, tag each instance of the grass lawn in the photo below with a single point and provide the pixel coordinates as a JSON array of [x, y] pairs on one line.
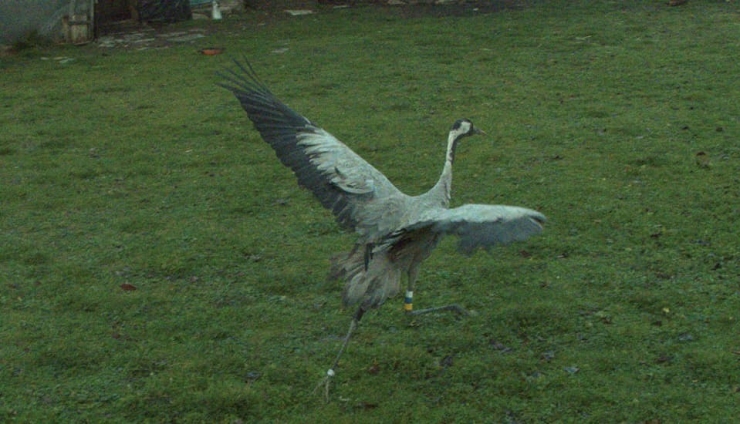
[[158, 263]]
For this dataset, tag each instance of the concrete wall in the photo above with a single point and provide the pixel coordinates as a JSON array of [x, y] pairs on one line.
[[18, 18]]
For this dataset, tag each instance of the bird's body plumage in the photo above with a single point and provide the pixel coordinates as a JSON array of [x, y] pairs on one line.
[[395, 231]]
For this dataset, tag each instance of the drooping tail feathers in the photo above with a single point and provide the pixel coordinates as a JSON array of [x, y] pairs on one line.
[[372, 285]]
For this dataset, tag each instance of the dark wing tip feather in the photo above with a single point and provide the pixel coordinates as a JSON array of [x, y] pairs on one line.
[[269, 115], [246, 79], [280, 127]]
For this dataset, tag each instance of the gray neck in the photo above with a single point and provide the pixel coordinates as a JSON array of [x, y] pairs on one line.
[[443, 187]]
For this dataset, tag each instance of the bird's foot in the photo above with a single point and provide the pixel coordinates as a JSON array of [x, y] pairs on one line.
[[325, 383], [454, 308]]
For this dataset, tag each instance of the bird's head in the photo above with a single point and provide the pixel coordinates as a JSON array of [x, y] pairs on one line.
[[463, 128]]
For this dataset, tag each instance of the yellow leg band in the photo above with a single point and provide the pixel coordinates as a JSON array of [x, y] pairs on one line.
[[407, 301]]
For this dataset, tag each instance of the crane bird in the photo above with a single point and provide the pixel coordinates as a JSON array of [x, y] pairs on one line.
[[395, 232]]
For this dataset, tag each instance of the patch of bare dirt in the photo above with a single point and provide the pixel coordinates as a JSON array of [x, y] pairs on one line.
[[468, 8]]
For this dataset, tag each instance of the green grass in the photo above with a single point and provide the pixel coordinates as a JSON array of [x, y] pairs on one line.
[[131, 167]]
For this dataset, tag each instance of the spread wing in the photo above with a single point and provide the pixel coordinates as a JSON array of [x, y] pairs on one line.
[[341, 180], [478, 226]]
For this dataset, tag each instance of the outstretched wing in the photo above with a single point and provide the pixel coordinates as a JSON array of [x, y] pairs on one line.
[[341, 180], [480, 226]]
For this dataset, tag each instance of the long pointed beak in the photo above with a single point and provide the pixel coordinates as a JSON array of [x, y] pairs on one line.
[[477, 130]]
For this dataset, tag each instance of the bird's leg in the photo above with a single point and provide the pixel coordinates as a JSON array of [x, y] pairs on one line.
[[452, 307], [330, 373], [368, 255], [409, 298]]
